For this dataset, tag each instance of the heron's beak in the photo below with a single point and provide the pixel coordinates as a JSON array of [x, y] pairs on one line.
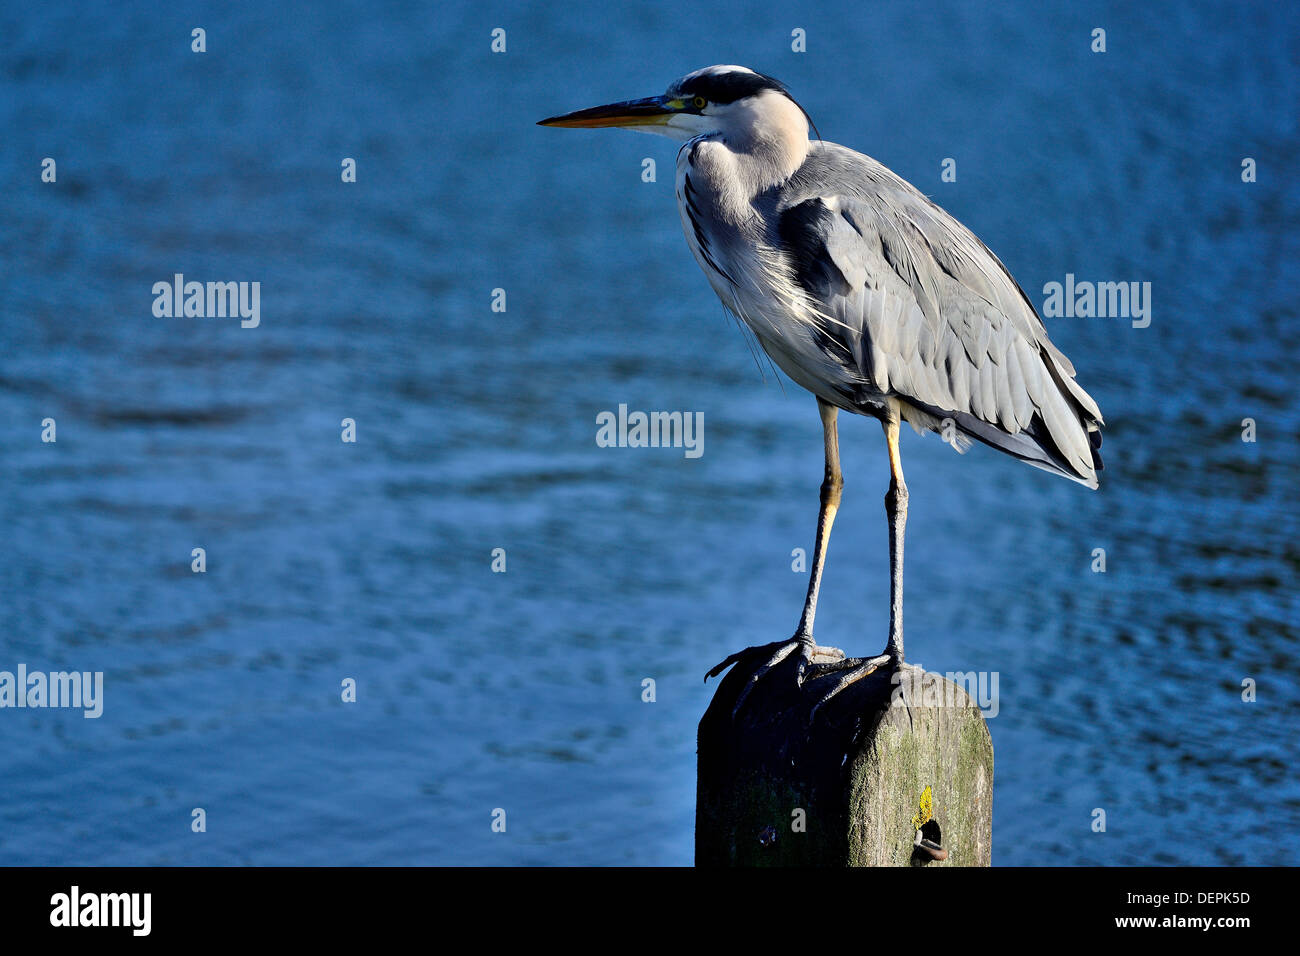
[[651, 111]]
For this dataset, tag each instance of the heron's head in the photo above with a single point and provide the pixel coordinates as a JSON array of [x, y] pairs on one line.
[[734, 102]]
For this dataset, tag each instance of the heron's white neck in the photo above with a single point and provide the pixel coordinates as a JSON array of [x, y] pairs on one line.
[[769, 136]]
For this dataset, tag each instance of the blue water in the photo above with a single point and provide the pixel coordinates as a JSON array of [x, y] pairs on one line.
[[476, 429]]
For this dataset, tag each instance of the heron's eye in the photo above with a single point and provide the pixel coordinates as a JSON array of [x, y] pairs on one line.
[[700, 102]]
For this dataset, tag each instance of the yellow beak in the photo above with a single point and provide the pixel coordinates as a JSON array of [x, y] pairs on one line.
[[651, 111]]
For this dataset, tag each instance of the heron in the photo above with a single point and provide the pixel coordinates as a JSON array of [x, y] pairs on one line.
[[868, 295]]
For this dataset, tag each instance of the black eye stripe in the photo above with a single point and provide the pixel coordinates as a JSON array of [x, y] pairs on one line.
[[723, 88]]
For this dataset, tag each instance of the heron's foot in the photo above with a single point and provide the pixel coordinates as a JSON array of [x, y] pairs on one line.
[[768, 656], [838, 678]]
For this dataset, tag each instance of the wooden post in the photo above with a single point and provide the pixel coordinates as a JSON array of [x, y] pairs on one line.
[[847, 788]]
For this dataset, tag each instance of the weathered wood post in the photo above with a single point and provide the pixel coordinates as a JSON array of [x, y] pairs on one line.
[[846, 788]]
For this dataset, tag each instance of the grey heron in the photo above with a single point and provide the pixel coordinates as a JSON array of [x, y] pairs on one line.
[[868, 295]]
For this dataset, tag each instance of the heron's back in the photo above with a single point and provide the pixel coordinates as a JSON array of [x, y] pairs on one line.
[[899, 300]]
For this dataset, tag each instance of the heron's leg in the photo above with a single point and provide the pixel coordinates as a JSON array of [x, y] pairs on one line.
[[839, 678], [832, 486], [896, 509], [809, 652]]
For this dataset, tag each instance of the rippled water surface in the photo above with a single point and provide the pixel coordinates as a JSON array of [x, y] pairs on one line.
[[476, 429]]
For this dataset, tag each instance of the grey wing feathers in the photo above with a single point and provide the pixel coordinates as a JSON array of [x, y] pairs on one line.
[[928, 314]]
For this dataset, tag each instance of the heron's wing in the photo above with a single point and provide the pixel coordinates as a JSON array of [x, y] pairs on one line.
[[928, 314]]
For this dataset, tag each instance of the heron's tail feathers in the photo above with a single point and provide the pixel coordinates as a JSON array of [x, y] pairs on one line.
[[1065, 441], [1036, 446]]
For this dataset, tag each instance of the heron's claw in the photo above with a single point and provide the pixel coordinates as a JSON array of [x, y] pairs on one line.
[[836, 679], [773, 654]]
